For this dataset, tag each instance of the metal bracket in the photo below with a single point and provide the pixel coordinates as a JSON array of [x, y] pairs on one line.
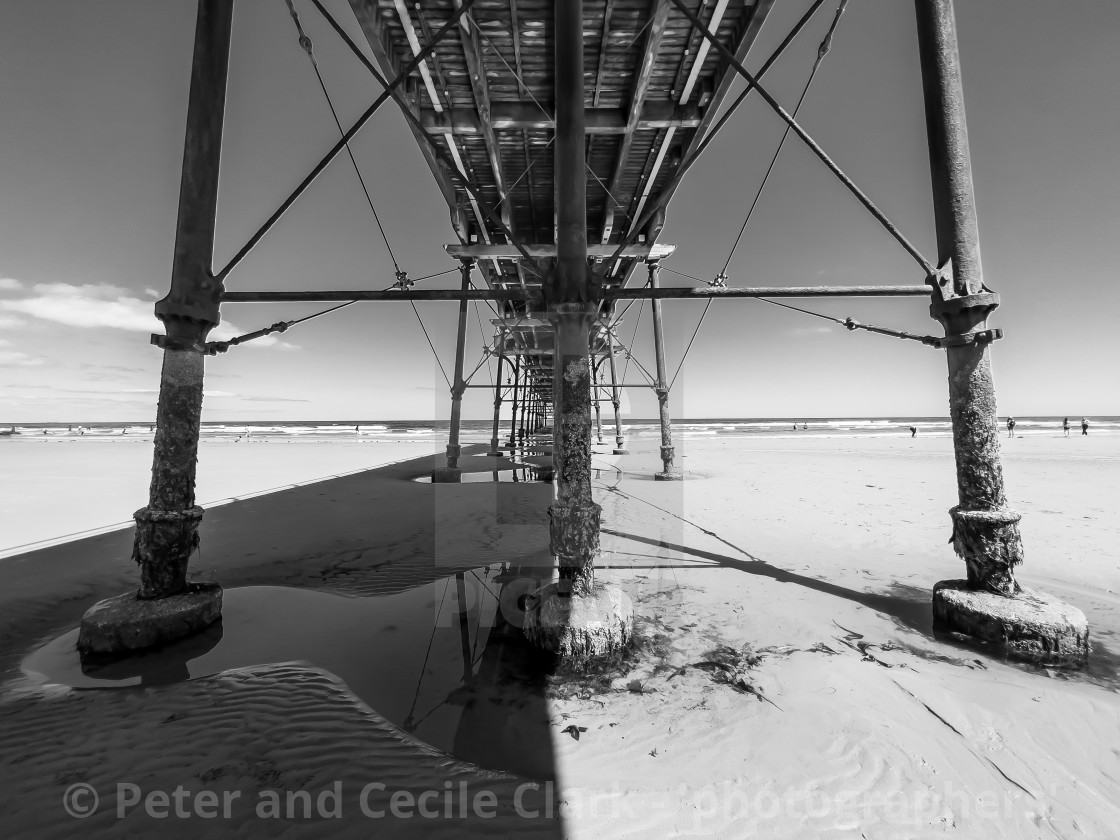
[[983, 300], [163, 342], [977, 336]]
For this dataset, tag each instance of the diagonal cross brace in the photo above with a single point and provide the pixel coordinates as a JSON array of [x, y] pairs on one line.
[[682, 170], [344, 141], [728, 56], [435, 147]]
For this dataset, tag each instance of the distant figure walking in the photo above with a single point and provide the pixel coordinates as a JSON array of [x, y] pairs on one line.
[[1084, 426], [913, 431], [1011, 427], [1065, 426]]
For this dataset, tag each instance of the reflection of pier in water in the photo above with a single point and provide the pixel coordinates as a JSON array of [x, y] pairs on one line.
[[446, 661]]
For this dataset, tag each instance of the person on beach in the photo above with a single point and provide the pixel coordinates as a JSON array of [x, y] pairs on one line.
[[1084, 426], [1011, 427], [913, 431], [1065, 426]]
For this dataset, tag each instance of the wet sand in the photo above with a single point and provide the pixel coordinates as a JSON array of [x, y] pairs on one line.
[[787, 684]]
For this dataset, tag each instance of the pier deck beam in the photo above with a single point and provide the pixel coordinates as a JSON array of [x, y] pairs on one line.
[[451, 474], [668, 472], [989, 604], [166, 607]]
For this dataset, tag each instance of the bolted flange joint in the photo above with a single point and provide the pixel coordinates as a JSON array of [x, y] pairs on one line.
[[964, 314]]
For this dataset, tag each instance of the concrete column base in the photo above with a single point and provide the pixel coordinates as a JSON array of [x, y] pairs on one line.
[[447, 475], [1031, 625], [580, 628], [117, 627], [619, 450], [668, 476]]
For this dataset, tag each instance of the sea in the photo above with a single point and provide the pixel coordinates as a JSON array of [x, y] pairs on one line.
[[477, 431]]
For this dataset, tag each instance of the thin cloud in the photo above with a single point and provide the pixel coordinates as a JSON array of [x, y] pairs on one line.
[[274, 399], [10, 284], [9, 323], [16, 358], [811, 330], [88, 306], [103, 305]]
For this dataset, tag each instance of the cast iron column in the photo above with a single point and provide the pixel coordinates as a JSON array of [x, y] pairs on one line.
[[662, 387], [167, 529], [458, 387], [985, 531], [619, 448], [513, 418], [498, 398], [574, 517], [598, 410]]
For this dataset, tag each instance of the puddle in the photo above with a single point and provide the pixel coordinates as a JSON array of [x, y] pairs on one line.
[[439, 661]]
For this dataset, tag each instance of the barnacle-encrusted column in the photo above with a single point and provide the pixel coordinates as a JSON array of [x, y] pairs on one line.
[[989, 604], [166, 607], [575, 516], [575, 617]]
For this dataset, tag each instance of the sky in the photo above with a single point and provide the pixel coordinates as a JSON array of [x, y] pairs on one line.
[[93, 97]]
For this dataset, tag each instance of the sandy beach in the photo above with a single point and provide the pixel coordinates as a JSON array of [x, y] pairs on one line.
[[787, 681]]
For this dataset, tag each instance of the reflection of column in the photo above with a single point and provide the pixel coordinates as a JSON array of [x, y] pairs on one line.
[[662, 388], [167, 529], [452, 472], [619, 448], [985, 532]]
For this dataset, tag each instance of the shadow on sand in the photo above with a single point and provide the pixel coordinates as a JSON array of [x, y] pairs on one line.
[[909, 606]]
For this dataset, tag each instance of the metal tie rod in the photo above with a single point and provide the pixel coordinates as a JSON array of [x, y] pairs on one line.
[[660, 293]]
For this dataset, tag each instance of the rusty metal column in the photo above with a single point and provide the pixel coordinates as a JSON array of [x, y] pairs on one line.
[[451, 473], [598, 394], [167, 529], [526, 396], [990, 604], [494, 443], [985, 532], [513, 418], [662, 387], [619, 443], [574, 517]]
